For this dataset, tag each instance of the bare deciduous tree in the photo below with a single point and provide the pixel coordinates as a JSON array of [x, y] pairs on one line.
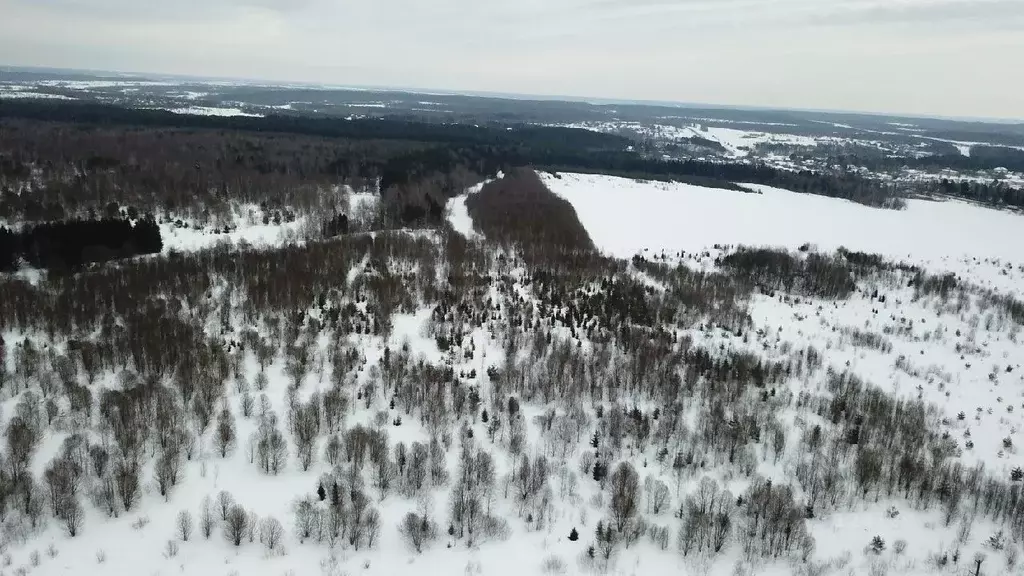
[[224, 502], [624, 485], [235, 524], [271, 533], [207, 518], [224, 438], [184, 525], [417, 530], [72, 515]]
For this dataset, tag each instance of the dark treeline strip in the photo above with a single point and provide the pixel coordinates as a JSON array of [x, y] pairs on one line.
[[539, 137], [981, 158], [70, 244], [994, 193], [432, 153]]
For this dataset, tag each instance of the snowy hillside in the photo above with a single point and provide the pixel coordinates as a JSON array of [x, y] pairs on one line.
[[732, 384]]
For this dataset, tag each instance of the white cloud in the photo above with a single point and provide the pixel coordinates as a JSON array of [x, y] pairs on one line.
[[948, 57]]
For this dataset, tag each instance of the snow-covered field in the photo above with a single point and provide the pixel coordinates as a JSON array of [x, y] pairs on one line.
[[628, 216]]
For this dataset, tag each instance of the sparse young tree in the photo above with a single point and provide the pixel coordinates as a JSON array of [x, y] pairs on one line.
[[247, 404], [333, 451], [418, 463], [126, 476], [306, 428], [72, 515], [207, 518], [184, 525], [306, 519], [385, 472], [224, 503], [657, 495], [371, 522], [252, 524], [271, 447], [224, 439], [167, 469]]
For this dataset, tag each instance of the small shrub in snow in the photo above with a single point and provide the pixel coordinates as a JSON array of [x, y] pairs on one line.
[[997, 541], [33, 558], [741, 568], [140, 522], [171, 549], [877, 545], [892, 512], [878, 569], [553, 565], [51, 551], [899, 546], [101, 556]]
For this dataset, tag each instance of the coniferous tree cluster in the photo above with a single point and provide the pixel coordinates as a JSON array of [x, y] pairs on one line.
[[70, 244]]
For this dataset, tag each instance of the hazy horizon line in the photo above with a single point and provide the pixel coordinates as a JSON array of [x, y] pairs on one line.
[[593, 100]]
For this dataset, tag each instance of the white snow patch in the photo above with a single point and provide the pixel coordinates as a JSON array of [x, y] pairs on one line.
[[248, 228], [212, 111], [458, 213]]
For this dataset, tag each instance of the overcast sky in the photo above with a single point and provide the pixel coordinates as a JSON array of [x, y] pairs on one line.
[[930, 57]]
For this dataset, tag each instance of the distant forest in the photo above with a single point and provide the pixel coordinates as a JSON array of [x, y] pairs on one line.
[[980, 158], [152, 159]]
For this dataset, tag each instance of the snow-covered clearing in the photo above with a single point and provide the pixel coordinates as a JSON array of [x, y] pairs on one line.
[[247, 226], [626, 217], [458, 214], [40, 95], [739, 142], [213, 111]]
